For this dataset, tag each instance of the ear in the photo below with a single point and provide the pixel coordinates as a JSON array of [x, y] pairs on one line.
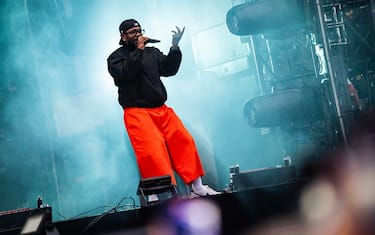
[[123, 37]]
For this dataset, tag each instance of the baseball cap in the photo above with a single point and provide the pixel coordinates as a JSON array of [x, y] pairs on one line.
[[127, 24]]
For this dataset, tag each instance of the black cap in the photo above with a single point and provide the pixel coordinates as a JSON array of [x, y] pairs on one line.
[[127, 24]]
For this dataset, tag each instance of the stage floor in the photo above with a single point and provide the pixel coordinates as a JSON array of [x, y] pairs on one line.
[[234, 213]]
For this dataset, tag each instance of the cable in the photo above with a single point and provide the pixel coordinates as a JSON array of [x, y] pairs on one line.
[[96, 219], [124, 198], [86, 212]]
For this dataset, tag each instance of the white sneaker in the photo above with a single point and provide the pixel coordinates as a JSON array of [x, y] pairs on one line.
[[210, 191], [204, 191]]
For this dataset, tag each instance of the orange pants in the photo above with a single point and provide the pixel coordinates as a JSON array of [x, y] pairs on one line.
[[162, 144]]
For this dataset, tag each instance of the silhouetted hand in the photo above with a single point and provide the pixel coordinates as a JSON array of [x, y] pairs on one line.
[[177, 35]]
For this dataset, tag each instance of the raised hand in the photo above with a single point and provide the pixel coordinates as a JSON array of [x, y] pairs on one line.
[[177, 35]]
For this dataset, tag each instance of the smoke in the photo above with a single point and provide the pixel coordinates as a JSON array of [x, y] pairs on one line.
[[64, 128]]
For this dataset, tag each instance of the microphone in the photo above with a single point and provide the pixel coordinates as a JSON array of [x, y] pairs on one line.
[[150, 40]]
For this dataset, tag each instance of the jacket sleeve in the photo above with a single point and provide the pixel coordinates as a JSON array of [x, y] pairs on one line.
[[169, 64], [125, 67]]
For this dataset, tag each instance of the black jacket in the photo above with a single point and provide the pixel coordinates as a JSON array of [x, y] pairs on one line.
[[137, 73]]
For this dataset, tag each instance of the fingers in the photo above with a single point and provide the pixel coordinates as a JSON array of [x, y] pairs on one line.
[[142, 39], [179, 32], [183, 30], [177, 35], [176, 32], [178, 29]]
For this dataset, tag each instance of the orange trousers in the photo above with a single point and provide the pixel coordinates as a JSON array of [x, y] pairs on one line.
[[162, 144]]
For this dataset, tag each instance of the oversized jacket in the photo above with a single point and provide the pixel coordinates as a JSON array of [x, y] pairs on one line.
[[137, 74]]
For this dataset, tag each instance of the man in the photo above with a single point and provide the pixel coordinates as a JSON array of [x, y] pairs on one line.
[[161, 143]]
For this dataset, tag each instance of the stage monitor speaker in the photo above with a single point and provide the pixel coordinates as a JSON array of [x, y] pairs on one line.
[[13, 220], [264, 177], [283, 107], [264, 16], [155, 185], [37, 222]]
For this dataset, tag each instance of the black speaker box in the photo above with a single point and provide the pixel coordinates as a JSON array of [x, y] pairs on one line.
[[12, 221], [264, 177], [283, 107], [264, 16]]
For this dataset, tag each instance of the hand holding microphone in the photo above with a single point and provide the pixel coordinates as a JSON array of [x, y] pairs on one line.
[[143, 40]]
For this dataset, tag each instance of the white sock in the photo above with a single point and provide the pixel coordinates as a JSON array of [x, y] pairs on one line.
[[198, 187]]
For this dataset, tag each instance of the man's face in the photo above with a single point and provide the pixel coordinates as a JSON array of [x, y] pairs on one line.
[[131, 35]]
